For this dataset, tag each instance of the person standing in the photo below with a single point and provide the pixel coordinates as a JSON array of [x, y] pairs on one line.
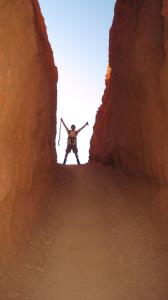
[[72, 141]]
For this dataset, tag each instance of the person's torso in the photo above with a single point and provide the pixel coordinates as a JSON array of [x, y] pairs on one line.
[[72, 137]]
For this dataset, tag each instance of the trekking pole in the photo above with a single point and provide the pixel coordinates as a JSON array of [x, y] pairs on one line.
[[59, 134]]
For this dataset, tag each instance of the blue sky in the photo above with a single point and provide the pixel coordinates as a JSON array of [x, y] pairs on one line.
[[78, 32]]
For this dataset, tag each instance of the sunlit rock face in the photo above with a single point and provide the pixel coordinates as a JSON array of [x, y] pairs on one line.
[[27, 117], [132, 123]]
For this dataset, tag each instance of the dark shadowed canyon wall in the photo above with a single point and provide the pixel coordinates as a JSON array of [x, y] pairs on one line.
[[27, 118], [132, 123]]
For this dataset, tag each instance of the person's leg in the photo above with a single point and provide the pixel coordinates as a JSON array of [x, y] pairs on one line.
[[65, 158], [77, 158], [75, 151], [66, 154]]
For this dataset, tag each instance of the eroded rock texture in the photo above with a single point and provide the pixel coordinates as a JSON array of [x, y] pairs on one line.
[[27, 118], [132, 123]]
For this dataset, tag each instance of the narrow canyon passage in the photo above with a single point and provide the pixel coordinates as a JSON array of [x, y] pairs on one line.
[[105, 235], [103, 239]]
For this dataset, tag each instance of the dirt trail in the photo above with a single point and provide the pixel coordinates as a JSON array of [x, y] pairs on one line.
[[105, 239]]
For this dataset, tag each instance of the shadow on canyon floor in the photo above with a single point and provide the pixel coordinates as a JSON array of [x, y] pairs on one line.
[[105, 238]]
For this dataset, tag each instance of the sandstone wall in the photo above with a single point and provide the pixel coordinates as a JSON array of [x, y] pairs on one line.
[[132, 123], [27, 118]]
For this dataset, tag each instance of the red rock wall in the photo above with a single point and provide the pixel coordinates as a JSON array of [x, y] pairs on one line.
[[27, 117], [132, 123]]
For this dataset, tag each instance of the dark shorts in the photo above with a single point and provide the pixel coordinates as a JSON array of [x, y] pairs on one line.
[[72, 148]]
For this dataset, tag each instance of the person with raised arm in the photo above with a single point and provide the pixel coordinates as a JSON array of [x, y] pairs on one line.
[[72, 140]]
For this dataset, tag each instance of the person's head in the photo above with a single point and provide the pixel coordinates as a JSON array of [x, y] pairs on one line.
[[73, 127]]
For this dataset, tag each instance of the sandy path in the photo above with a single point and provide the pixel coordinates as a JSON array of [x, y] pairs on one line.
[[104, 240]]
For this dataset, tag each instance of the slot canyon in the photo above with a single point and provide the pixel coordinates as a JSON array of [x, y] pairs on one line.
[[97, 231]]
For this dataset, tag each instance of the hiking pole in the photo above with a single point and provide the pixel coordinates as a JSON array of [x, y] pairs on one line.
[[59, 133]]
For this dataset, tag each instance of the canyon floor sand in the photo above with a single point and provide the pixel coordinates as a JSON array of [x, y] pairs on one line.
[[105, 238]]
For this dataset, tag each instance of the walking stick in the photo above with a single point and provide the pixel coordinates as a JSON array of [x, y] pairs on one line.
[[59, 134]]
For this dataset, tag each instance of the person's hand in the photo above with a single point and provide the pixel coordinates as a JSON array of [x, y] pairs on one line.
[[87, 123]]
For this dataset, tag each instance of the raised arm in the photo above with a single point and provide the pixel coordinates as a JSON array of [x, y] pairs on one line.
[[67, 129], [77, 131]]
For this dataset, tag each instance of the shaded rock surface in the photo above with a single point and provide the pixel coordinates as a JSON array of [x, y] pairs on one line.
[[27, 118], [132, 123]]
